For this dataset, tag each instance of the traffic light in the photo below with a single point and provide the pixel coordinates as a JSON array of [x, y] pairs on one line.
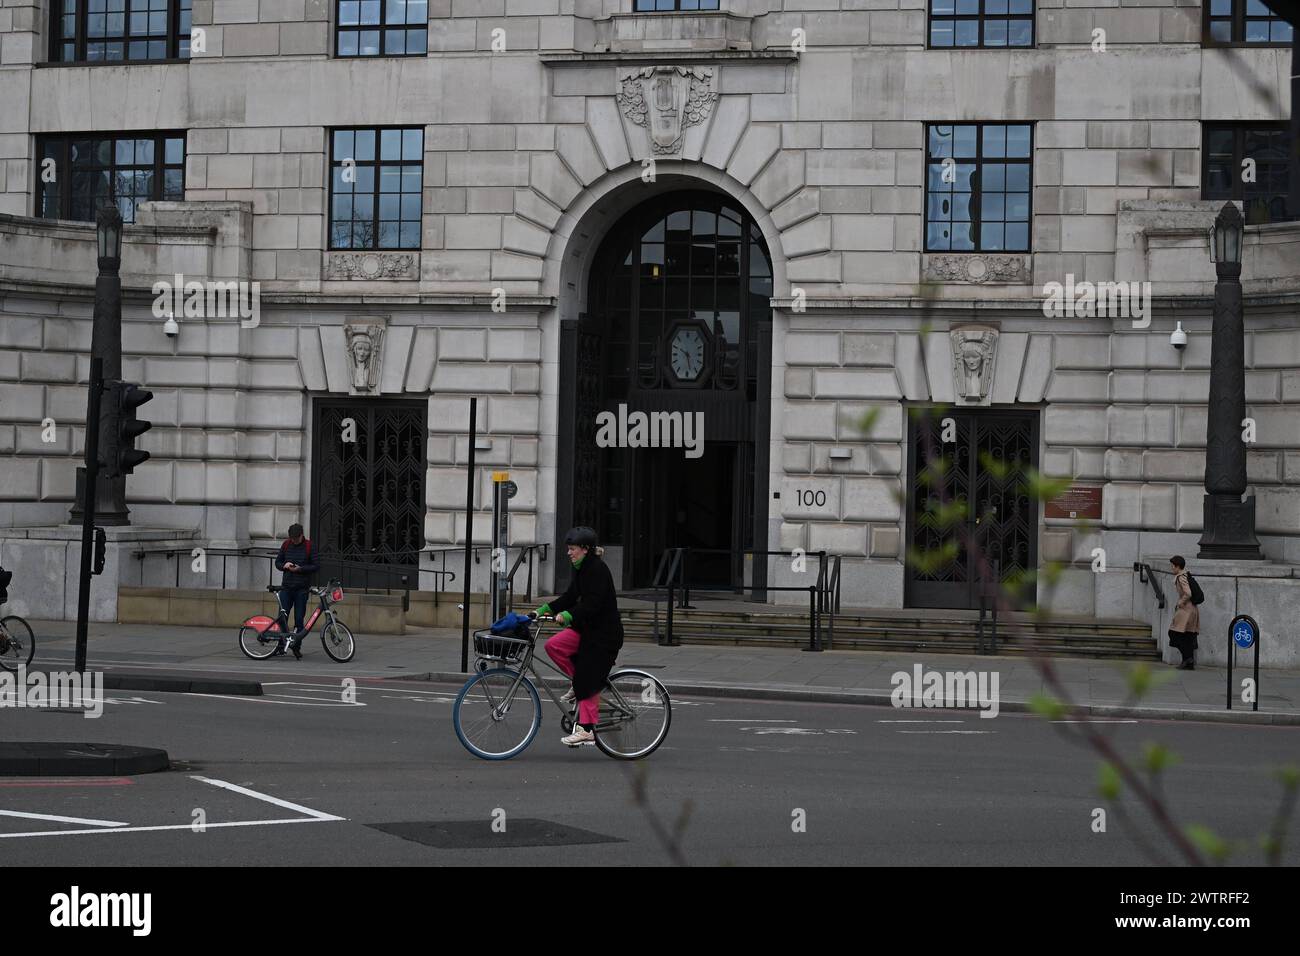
[[122, 455]]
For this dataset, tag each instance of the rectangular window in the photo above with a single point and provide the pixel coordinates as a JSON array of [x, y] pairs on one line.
[[1244, 21], [657, 6], [977, 187], [981, 23], [115, 31], [1247, 162], [382, 28], [376, 188], [77, 173]]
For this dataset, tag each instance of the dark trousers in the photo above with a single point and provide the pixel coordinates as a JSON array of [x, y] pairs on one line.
[[1185, 641], [295, 598]]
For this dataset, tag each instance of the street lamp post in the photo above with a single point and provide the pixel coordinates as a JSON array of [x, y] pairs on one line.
[[106, 344], [1229, 522]]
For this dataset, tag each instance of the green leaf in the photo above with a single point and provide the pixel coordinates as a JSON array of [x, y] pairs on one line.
[[1289, 775], [996, 467], [1043, 488], [934, 560], [1209, 842], [1159, 757], [1108, 782], [1044, 705], [867, 423]]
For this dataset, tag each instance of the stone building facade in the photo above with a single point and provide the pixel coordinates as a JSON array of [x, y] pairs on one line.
[[798, 131]]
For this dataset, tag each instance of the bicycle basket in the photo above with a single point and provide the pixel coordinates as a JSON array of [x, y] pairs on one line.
[[499, 647]]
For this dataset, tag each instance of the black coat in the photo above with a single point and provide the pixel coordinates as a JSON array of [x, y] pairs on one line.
[[302, 555], [591, 600]]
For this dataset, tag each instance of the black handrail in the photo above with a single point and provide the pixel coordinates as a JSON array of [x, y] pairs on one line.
[[1147, 575], [402, 573], [822, 596]]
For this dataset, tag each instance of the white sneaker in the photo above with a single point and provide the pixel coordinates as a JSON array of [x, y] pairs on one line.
[[579, 737], [569, 697]]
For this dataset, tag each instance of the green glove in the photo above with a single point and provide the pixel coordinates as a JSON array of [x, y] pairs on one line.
[[543, 610], [565, 618]]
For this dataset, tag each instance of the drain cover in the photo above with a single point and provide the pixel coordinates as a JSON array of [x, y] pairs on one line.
[[478, 835]]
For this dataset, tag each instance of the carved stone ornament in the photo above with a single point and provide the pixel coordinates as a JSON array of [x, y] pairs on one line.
[[977, 268], [372, 265], [667, 100], [365, 343], [974, 354]]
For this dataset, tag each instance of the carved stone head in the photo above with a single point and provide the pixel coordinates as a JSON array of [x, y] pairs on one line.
[[974, 352], [364, 352]]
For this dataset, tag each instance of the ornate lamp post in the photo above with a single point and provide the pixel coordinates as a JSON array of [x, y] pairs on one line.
[[106, 344], [1229, 528]]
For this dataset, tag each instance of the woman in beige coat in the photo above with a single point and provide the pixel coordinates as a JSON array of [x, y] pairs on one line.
[[1187, 616]]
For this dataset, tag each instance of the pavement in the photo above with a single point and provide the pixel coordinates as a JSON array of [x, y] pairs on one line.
[[1094, 686]]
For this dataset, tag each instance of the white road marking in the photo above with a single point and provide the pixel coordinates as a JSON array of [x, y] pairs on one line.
[[746, 720], [269, 699], [299, 808], [54, 819], [920, 721], [945, 731], [177, 826], [1095, 721]]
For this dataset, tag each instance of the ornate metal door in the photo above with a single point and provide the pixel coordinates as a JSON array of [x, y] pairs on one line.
[[368, 501], [969, 507]]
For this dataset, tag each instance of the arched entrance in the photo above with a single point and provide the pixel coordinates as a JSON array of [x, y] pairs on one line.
[[665, 382]]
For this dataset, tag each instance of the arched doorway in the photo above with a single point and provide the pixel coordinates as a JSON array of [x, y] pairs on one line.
[[677, 326]]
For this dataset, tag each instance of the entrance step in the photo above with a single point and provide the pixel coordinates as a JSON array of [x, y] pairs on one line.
[[940, 631]]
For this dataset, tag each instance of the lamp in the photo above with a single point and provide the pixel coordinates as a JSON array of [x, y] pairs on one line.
[[108, 231], [1227, 234]]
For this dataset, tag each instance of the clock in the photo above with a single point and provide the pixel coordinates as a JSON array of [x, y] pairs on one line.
[[688, 349]]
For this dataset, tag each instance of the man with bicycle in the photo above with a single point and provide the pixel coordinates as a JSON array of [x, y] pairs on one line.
[[296, 561]]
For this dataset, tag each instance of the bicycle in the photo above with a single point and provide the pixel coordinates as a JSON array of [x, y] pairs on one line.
[[635, 709], [260, 636], [17, 643]]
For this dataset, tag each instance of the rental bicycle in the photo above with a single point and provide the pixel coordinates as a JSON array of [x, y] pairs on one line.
[[498, 712], [260, 636], [17, 643]]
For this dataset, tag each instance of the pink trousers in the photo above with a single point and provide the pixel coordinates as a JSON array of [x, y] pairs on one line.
[[561, 647]]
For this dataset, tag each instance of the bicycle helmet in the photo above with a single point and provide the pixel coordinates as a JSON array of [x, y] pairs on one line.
[[583, 537]]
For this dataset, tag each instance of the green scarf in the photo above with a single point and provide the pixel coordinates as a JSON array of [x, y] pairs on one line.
[[578, 562]]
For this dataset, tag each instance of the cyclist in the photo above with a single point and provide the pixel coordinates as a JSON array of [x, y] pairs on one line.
[[593, 634], [295, 560]]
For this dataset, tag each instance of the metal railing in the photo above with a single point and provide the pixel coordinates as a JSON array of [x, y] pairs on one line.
[[671, 576], [1147, 575], [356, 573]]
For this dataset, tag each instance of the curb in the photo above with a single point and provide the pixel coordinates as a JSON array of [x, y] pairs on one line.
[[49, 759], [183, 685], [884, 699]]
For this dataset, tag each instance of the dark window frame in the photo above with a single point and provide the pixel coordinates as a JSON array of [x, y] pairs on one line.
[[383, 28], [977, 194], [63, 164], [982, 17], [377, 193], [1238, 191], [1238, 20], [177, 41], [677, 6]]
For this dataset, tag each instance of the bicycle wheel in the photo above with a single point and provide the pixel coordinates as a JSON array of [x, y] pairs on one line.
[[259, 645], [17, 643], [489, 725], [635, 713], [337, 641]]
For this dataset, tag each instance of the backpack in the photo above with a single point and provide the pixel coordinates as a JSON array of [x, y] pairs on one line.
[[305, 540], [1198, 596]]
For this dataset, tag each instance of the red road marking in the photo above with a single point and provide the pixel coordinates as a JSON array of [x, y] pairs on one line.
[[74, 782]]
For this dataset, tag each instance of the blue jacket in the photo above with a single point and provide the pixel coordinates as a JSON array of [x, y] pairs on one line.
[[301, 555]]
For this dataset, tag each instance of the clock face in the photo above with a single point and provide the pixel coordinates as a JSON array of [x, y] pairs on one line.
[[687, 354]]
